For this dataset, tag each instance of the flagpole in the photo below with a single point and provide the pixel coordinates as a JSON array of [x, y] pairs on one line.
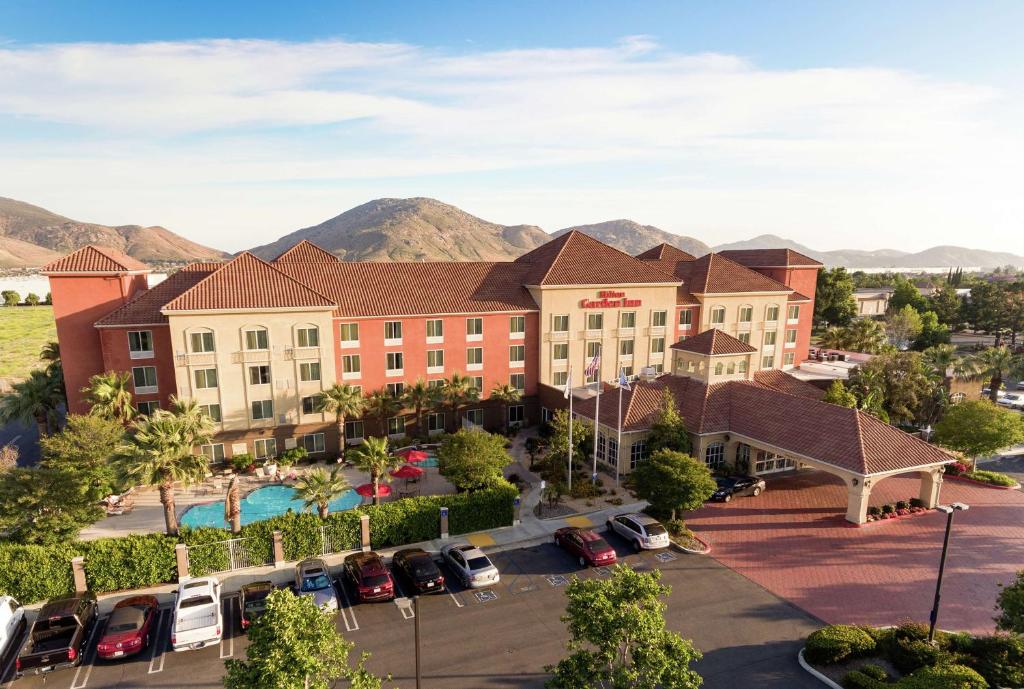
[[618, 441], [568, 389], [597, 431]]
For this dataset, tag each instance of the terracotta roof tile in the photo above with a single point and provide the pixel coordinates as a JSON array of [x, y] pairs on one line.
[[665, 252], [783, 382], [713, 274], [770, 258], [306, 252], [713, 342], [796, 296], [94, 259], [145, 308], [578, 259]]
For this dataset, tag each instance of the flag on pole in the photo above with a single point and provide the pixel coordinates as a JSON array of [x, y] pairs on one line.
[[567, 392], [623, 382], [593, 366]]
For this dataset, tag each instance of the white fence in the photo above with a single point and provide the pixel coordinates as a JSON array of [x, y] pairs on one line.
[[226, 556]]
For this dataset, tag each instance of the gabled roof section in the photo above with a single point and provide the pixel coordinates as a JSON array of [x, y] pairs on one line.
[[783, 382], [306, 252], [771, 258], [245, 283], [796, 296], [665, 252], [713, 342], [715, 274], [145, 308], [578, 259], [95, 259]]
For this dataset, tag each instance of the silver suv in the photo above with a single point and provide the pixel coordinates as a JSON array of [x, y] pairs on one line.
[[643, 532]]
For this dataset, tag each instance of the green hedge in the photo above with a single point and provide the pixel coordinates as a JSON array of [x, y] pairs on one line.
[[129, 562], [836, 643], [36, 572]]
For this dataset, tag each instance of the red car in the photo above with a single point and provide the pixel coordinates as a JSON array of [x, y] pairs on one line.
[[129, 628], [586, 545], [370, 577]]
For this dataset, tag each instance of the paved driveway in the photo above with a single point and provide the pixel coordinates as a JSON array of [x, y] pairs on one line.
[[793, 541]]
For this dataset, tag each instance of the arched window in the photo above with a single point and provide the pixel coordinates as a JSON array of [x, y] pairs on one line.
[[256, 337], [201, 340], [731, 369], [746, 313], [719, 369], [714, 456], [307, 335], [772, 313], [718, 315]]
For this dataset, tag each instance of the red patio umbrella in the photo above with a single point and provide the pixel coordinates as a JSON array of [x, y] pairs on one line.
[[407, 472], [366, 490], [413, 455]]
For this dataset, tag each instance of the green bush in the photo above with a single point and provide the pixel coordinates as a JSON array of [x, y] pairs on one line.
[[943, 677], [993, 477], [999, 659], [867, 677], [910, 654], [129, 562], [204, 558], [32, 573], [243, 461], [837, 642]]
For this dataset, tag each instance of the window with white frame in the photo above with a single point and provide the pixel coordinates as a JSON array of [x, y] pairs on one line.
[[685, 318], [435, 422], [791, 337], [595, 321], [308, 337], [205, 378], [257, 339], [396, 425], [626, 347], [719, 368], [474, 328], [265, 448], [658, 368], [714, 456], [477, 384], [309, 371], [559, 378], [659, 318], [396, 390], [517, 326], [435, 330], [742, 366], [262, 409], [767, 361], [772, 313], [474, 356], [259, 375], [627, 319], [718, 315], [392, 332], [351, 366], [613, 451], [516, 413], [212, 411], [354, 430], [394, 363], [201, 342], [788, 358], [637, 453], [438, 383], [793, 312], [435, 360], [657, 345], [731, 368], [348, 334], [475, 417], [593, 349], [560, 323], [627, 371], [144, 378], [518, 381], [517, 355], [602, 448], [313, 443], [214, 452], [746, 314], [140, 344], [147, 408], [770, 336], [560, 351], [311, 404]]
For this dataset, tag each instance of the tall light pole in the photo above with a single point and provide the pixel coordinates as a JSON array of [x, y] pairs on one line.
[[949, 510], [413, 604]]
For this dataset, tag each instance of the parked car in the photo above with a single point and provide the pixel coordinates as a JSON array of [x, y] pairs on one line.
[[1012, 400], [1020, 384], [12, 627], [473, 568], [129, 629], [369, 576], [587, 546], [986, 391], [417, 567], [732, 486], [198, 618], [643, 532], [252, 601], [59, 634], [313, 579]]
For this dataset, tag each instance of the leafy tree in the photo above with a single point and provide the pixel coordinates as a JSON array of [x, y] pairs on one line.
[[37, 399], [44, 506], [932, 332], [159, 453], [507, 395], [32, 299], [900, 380], [345, 402], [49, 299], [903, 326], [996, 364], [382, 405], [673, 481], [946, 304], [979, 428], [906, 293], [457, 391], [373, 458], [944, 361], [833, 297], [866, 335], [318, 488], [618, 638], [668, 432], [11, 298], [83, 450], [834, 338], [110, 396], [472, 459], [558, 443], [987, 309], [533, 447], [839, 395], [420, 396], [1010, 605], [294, 645]]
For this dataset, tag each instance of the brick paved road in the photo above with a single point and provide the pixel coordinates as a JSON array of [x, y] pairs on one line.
[[794, 541]]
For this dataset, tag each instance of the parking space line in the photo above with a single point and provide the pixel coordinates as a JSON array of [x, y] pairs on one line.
[[160, 642], [87, 664], [228, 627], [579, 521], [347, 610], [458, 603], [406, 610]]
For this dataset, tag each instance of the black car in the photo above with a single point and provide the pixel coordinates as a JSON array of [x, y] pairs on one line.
[[730, 486], [417, 567], [252, 600]]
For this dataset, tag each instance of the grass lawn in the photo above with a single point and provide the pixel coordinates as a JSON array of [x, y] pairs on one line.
[[23, 332]]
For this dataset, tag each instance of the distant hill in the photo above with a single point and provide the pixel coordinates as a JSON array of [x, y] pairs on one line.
[[634, 238], [33, 236], [417, 229]]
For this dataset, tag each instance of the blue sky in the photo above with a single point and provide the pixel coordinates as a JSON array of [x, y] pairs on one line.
[[858, 125]]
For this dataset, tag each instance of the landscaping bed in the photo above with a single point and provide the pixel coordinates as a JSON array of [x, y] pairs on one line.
[[900, 657], [895, 510], [994, 479]]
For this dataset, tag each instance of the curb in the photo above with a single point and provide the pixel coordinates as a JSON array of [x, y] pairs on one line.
[[706, 551], [983, 484], [814, 673], [890, 519]]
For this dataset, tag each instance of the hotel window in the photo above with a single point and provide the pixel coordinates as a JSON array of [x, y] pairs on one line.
[[313, 442], [147, 408], [140, 344], [560, 351], [790, 337], [396, 390], [626, 348], [627, 319], [602, 448], [743, 457], [351, 366], [353, 430], [214, 453], [257, 339], [309, 371], [788, 358], [205, 378], [259, 375], [201, 342], [517, 326], [613, 451], [516, 413], [714, 456], [478, 384], [392, 332], [730, 369], [691, 366], [744, 338], [396, 425], [311, 404], [657, 345], [627, 371], [435, 330], [719, 369], [772, 313], [265, 448], [435, 360], [595, 321], [308, 337], [212, 411], [659, 318], [474, 328], [685, 318], [793, 313], [144, 378], [637, 453], [558, 378], [770, 337], [746, 314], [475, 356], [395, 362], [349, 334], [439, 383], [718, 315], [767, 361], [262, 409], [518, 381], [593, 349], [560, 323], [435, 422], [658, 368], [475, 416], [742, 367], [517, 355]]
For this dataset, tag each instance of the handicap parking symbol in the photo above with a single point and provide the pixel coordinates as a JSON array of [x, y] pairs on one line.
[[665, 557], [484, 596], [557, 580]]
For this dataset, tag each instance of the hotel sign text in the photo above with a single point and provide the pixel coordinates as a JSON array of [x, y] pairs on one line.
[[609, 299]]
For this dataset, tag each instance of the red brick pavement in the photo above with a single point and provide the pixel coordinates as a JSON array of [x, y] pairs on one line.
[[794, 541]]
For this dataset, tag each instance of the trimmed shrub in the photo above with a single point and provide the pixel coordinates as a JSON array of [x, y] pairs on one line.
[[999, 659], [129, 562], [837, 642], [943, 677], [867, 677], [32, 573], [874, 511], [994, 478], [911, 654]]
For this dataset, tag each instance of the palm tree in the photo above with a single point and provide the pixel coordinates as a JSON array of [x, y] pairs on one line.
[[866, 335], [318, 488], [455, 392], [995, 363], [373, 457], [233, 505], [382, 405], [420, 395], [159, 453], [36, 398], [833, 338], [943, 361], [344, 401], [507, 395], [110, 396], [50, 352]]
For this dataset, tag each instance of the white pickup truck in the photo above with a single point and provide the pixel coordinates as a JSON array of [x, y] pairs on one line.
[[12, 628], [198, 616]]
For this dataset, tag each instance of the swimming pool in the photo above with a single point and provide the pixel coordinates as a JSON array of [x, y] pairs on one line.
[[262, 503]]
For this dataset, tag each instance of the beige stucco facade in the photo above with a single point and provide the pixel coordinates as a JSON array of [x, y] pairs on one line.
[[747, 317]]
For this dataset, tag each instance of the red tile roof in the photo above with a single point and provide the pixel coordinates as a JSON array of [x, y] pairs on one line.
[[665, 252], [712, 274], [145, 308], [796, 296], [246, 282], [713, 342], [770, 258], [94, 259], [306, 252], [578, 259], [783, 382]]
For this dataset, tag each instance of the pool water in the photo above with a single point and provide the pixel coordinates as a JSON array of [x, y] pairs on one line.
[[262, 503], [430, 461]]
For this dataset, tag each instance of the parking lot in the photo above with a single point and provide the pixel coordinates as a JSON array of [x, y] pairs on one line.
[[503, 636]]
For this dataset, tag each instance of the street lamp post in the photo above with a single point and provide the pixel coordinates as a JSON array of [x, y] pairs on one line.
[[949, 510], [413, 604]]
